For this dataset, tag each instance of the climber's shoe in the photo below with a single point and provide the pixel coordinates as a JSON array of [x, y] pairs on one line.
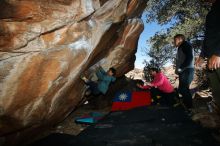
[[84, 79]]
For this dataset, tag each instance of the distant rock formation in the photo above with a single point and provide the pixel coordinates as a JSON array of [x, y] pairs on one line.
[[136, 74], [169, 71], [46, 45]]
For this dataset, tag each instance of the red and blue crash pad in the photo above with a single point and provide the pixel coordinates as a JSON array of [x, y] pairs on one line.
[[90, 118], [129, 100]]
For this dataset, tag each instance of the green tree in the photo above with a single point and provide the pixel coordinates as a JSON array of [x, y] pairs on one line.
[[186, 16]]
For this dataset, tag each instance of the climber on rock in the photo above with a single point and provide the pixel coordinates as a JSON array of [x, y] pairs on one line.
[[104, 80], [161, 89]]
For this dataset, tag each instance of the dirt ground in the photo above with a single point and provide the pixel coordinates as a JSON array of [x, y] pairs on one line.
[[201, 112], [69, 126]]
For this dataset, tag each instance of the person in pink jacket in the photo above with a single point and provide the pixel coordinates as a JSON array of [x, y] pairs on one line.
[[159, 87]]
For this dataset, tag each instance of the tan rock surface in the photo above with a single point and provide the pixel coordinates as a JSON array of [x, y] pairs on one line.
[[46, 45]]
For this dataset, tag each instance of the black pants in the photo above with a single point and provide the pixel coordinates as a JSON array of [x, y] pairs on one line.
[[165, 98], [185, 79], [214, 77], [93, 87]]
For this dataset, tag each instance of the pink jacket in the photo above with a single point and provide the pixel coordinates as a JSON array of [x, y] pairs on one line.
[[161, 82]]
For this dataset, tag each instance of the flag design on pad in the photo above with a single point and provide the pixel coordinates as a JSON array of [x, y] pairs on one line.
[[122, 97], [128, 100]]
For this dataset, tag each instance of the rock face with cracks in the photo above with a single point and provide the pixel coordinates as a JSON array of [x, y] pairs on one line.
[[46, 45]]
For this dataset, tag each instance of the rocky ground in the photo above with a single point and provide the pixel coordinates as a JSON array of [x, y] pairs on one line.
[[135, 74], [68, 126], [201, 112], [145, 126], [202, 115]]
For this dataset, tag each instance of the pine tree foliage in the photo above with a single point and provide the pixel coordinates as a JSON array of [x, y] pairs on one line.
[[186, 16]]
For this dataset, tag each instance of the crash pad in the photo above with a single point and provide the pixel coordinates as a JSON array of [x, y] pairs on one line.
[[90, 118]]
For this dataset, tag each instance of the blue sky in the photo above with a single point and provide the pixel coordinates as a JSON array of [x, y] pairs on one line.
[[149, 30]]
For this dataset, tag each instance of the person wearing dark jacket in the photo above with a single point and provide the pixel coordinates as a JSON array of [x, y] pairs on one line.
[[211, 49], [184, 68]]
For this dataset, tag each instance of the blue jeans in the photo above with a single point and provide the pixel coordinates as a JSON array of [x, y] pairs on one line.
[[185, 79]]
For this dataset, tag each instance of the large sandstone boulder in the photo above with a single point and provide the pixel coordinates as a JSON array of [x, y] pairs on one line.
[[46, 45]]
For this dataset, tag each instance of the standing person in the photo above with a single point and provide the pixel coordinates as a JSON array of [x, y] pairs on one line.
[[159, 86], [211, 49], [184, 68]]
